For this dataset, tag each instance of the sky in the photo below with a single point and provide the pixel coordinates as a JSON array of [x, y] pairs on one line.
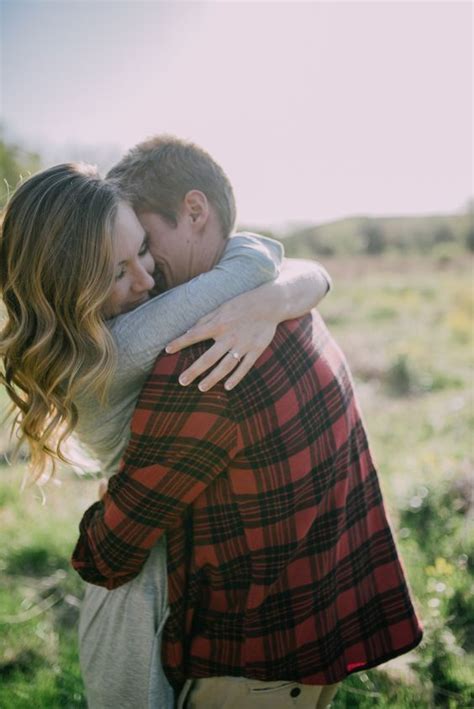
[[316, 110]]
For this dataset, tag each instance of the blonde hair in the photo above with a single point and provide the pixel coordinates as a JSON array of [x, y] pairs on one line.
[[157, 174], [56, 272]]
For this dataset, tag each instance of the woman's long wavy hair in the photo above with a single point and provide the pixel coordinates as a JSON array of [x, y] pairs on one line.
[[56, 272]]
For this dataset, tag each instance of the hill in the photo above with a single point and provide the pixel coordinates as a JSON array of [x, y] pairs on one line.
[[443, 233]]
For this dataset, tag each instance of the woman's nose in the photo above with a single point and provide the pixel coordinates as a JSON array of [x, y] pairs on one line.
[[144, 281]]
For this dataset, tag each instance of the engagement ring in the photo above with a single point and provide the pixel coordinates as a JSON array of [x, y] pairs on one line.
[[235, 355]]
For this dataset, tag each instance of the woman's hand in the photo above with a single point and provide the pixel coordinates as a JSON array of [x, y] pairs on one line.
[[244, 326], [241, 332]]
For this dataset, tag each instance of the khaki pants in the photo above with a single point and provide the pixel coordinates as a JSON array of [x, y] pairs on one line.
[[240, 693]]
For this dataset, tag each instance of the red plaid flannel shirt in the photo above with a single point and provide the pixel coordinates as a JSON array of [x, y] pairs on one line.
[[281, 560]]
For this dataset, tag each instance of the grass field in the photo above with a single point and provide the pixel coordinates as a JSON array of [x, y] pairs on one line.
[[406, 327]]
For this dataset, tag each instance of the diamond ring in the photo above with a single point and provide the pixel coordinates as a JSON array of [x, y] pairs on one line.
[[235, 355]]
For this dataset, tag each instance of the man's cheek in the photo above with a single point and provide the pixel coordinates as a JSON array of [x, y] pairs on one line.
[[154, 249]]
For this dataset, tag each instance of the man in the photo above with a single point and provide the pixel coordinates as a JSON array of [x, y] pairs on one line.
[[282, 569]]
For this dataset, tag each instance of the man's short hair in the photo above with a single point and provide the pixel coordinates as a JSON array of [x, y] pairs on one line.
[[156, 175]]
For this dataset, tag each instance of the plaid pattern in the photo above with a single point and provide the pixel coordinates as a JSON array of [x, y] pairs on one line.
[[285, 567]]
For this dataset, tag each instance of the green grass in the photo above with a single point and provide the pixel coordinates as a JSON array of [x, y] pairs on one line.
[[406, 327], [40, 594]]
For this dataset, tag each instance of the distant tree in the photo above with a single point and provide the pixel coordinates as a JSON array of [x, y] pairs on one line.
[[15, 164], [470, 237], [470, 206], [470, 227], [443, 234], [374, 238]]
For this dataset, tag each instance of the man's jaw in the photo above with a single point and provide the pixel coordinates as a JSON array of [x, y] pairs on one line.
[[160, 282]]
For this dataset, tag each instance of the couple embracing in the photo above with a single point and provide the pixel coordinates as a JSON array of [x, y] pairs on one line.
[[240, 555]]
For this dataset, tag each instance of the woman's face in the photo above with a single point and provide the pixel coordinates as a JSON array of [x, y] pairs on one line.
[[133, 264]]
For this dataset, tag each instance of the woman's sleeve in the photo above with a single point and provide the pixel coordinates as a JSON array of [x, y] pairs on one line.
[[248, 262]]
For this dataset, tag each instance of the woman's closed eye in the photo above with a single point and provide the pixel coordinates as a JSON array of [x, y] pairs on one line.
[[144, 249], [145, 246]]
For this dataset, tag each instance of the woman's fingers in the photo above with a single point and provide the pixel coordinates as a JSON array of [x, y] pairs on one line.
[[238, 344], [203, 363], [226, 365], [244, 368], [197, 333]]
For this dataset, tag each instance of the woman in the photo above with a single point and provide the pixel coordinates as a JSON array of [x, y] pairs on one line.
[[65, 239]]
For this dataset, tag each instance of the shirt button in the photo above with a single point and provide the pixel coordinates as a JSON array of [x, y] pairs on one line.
[[295, 692]]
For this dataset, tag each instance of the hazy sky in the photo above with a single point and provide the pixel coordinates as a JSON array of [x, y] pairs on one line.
[[316, 110]]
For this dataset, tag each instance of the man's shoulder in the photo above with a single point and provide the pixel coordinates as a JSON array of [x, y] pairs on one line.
[[306, 334], [294, 352], [299, 346], [307, 330]]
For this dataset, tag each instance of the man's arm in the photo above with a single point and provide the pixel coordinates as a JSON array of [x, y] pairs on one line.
[[181, 440]]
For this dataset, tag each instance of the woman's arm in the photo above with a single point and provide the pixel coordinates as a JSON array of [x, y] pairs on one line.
[[299, 288], [248, 261], [245, 326]]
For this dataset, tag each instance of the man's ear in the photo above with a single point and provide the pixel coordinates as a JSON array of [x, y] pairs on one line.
[[196, 208]]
